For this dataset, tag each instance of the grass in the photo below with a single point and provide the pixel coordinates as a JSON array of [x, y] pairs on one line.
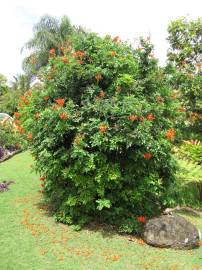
[[30, 239]]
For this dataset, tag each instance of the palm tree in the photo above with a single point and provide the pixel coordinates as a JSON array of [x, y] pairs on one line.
[[48, 33]]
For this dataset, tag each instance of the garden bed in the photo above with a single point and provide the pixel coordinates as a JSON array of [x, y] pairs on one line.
[[9, 153]]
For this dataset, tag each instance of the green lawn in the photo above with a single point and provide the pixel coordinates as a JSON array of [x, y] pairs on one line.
[[31, 240]]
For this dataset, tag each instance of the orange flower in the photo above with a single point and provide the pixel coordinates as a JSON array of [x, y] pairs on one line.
[[199, 65], [37, 115], [42, 185], [60, 101], [98, 77], [102, 128], [141, 219], [113, 53], [46, 98], [159, 99], [17, 114], [148, 155], [52, 51], [102, 94], [141, 241], [20, 105], [80, 62], [17, 122], [170, 134], [24, 100], [63, 116], [42, 178], [173, 96], [20, 129], [117, 39], [150, 117], [79, 54], [62, 49], [64, 60], [142, 118], [132, 118], [30, 136]]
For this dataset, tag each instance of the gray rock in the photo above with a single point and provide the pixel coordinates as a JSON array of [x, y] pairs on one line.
[[171, 231]]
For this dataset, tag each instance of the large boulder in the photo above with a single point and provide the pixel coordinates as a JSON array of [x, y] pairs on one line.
[[171, 231]]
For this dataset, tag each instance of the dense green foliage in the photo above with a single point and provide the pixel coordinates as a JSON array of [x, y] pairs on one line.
[[101, 132], [188, 186], [9, 137], [185, 66], [10, 98]]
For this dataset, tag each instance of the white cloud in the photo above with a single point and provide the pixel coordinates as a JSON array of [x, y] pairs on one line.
[[126, 18]]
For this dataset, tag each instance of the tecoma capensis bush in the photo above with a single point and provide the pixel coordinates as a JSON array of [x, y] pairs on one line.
[[101, 132]]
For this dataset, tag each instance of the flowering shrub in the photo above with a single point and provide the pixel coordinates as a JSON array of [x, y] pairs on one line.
[[101, 132], [9, 138]]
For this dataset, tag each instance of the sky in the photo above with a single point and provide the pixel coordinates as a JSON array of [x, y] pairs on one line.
[[128, 19]]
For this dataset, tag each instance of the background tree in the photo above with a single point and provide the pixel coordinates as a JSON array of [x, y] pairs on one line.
[[48, 33], [185, 65], [3, 84]]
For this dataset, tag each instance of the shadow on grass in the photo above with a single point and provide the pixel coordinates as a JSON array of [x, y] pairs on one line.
[[107, 231]]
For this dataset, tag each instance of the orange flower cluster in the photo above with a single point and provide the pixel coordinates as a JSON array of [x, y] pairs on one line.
[[117, 39], [20, 105], [132, 118], [170, 134], [46, 98], [102, 128], [98, 77], [23, 98], [63, 116], [30, 136], [52, 52], [159, 99], [17, 122], [17, 114], [79, 54], [60, 102], [141, 219], [113, 53], [150, 117], [148, 155], [65, 60], [20, 129], [102, 94]]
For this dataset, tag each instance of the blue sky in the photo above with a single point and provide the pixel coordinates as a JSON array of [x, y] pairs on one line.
[[126, 18]]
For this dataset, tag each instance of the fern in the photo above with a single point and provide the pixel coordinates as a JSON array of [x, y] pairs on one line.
[[188, 172]]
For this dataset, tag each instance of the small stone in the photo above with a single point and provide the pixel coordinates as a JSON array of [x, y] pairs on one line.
[[171, 231]]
